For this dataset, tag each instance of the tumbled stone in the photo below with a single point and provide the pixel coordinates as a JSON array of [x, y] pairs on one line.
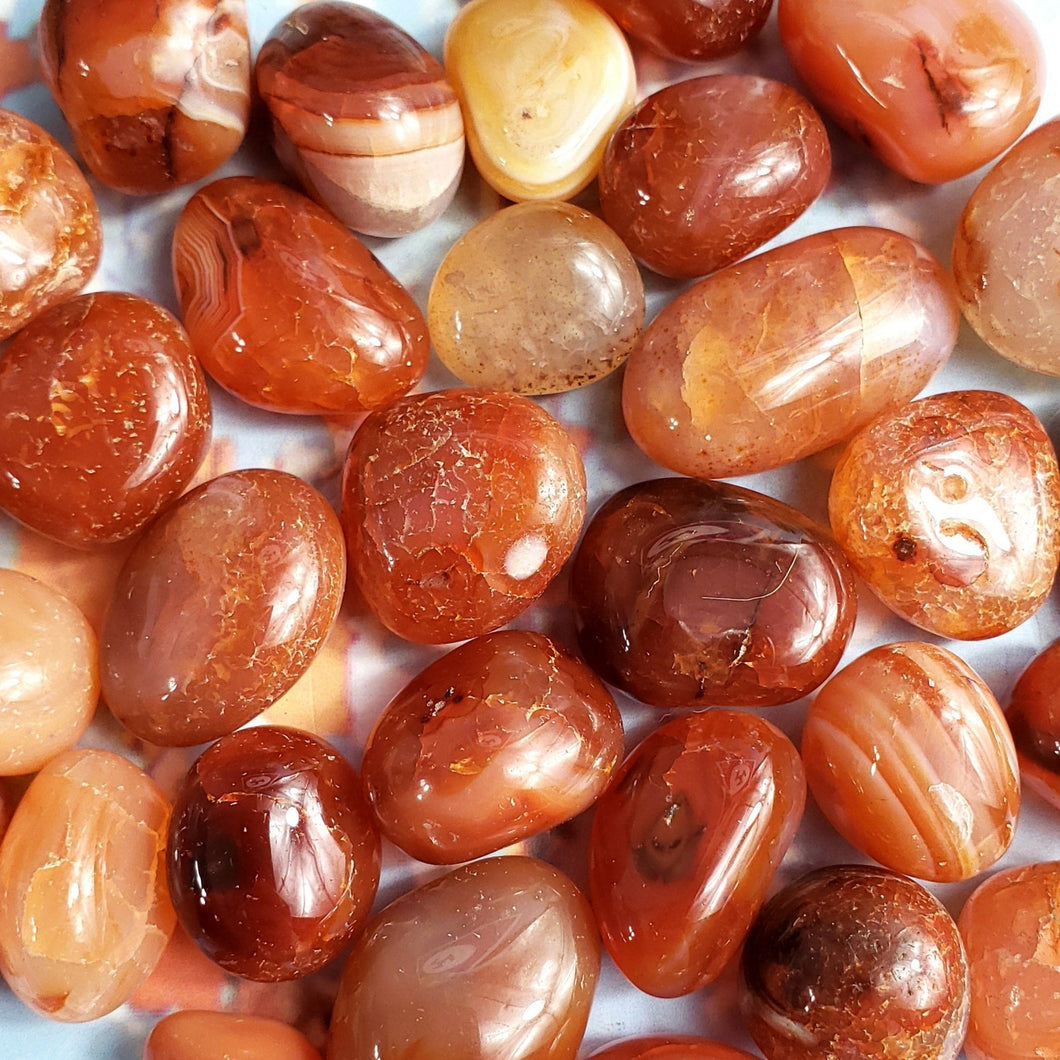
[[1034, 719], [669, 1047], [197, 1035]]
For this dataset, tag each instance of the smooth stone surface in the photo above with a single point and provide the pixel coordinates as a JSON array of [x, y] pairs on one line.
[[859, 319], [459, 507], [670, 1047], [272, 856], [542, 85], [156, 95], [686, 842], [1034, 718], [908, 755], [854, 961], [104, 418], [496, 960], [538, 298], [221, 606], [949, 508], [502, 738], [1006, 253], [84, 911], [363, 115], [694, 594], [690, 190], [289, 310], [199, 1035]]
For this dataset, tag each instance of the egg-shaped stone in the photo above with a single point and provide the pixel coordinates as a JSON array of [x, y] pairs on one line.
[[1033, 716], [195, 1034]]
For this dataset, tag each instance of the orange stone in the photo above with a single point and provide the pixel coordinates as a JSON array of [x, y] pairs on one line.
[[1034, 718], [199, 1035], [672, 1047]]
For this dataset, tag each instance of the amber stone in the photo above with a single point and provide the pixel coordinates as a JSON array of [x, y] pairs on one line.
[[908, 755], [504, 737], [459, 507], [157, 95], [49, 223], [104, 418], [287, 308], [851, 962], [693, 594], [363, 115], [949, 508], [685, 844], [49, 673], [934, 89], [1034, 719], [200, 1035], [84, 912], [788, 352], [273, 856], [542, 85], [496, 960], [690, 190], [221, 606], [1006, 253], [670, 1047], [538, 298], [1010, 926]]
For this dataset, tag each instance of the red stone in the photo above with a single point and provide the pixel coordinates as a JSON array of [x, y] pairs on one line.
[[1034, 718], [670, 1047]]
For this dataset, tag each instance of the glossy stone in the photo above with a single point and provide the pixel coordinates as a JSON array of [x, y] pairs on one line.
[[908, 756], [1034, 718], [542, 85], [84, 913], [670, 1047], [1010, 926], [459, 507], [689, 190], [289, 310], [1006, 253], [537, 298], [685, 844], [935, 88], [49, 223], [694, 594], [502, 738], [199, 1035], [156, 95], [497, 960], [854, 961], [859, 319], [363, 115], [949, 508], [221, 606], [104, 418], [272, 857], [49, 673]]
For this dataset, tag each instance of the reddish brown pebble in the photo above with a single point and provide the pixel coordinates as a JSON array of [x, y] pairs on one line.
[[273, 856], [1034, 718], [459, 506], [502, 738], [196, 1035], [671, 1047], [851, 962], [289, 310], [49, 223], [685, 844], [689, 190], [694, 594], [497, 960], [949, 508], [104, 418], [221, 606]]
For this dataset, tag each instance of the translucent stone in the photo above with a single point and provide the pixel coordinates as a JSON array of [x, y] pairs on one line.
[[198, 1035], [1034, 718], [669, 1047]]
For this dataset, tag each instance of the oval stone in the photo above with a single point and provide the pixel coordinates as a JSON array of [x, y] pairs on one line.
[[198, 1035], [1034, 718], [670, 1047]]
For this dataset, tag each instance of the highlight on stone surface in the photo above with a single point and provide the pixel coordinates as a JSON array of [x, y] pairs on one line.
[[669, 1047], [1034, 718], [192, 1034]]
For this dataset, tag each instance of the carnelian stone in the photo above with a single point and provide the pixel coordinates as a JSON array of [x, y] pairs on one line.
[[289, 310], [908, 755], [685, 844], [197, 1035], [1010, 926], [105, 418], [690, 190], [459, 507], [855, 961], [949, 508], [273, 856], [935, 88], [221, 606], [157, 95], [502, 738], [670, 1047], [1034, 718], [859, 319], [49, 223], [496, 960], [693, 594]]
